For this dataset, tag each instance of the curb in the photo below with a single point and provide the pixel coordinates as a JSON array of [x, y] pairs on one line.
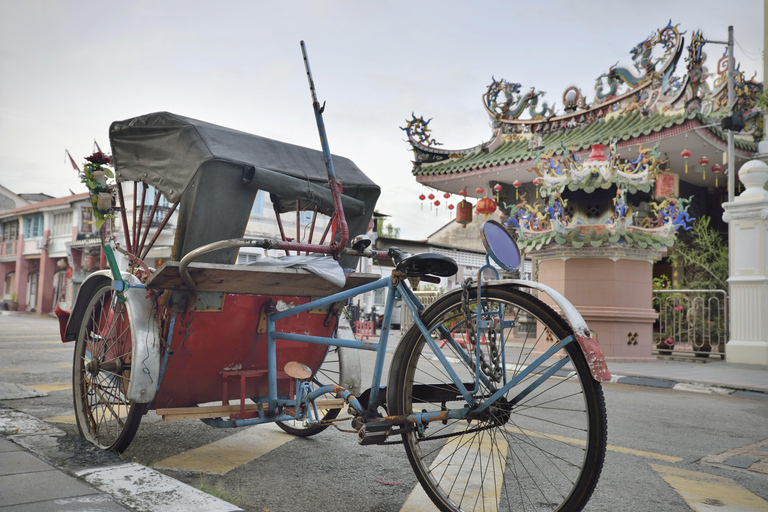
[[132, 485], [691, 386]]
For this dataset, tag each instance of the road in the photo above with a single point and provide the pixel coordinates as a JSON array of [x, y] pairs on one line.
[[666, 448]]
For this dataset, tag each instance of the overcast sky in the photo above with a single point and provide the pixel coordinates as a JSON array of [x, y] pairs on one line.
[[69, 68]]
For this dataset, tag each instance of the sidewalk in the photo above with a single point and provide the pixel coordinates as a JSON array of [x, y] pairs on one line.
[[43, 468], [715, 376]]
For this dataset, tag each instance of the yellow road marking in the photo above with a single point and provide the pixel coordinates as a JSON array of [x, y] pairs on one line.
[[64, 418], [610, 448], [47, 388], [463, 466], [226, 454], [709, 493]]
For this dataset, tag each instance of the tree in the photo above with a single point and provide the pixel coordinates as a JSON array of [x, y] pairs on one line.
[[388, 231], [701, 259]]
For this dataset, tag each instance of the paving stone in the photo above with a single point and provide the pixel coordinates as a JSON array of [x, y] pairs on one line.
[[18, 489], [100, 503], [740, 461], [14, 463], [7, 446]]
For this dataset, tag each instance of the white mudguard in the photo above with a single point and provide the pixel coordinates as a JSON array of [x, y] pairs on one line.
[[595, 358], [145, 364]]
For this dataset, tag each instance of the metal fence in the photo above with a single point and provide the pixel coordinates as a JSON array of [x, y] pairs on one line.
[[406, 318], [691, 322]]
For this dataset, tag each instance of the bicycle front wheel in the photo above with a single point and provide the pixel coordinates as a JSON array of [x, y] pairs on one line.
[[101, 373], [541, 446]]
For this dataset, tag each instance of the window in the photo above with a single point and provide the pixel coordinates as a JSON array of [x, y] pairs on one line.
[[258, 204], [62, 223], [33, 226], [86, 223], [11, 231], [244, 258]]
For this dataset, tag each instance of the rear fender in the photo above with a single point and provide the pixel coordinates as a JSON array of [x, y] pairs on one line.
[[594, 356]]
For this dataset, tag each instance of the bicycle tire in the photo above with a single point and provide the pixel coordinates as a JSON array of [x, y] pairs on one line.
[[104, 414], [543, 453]]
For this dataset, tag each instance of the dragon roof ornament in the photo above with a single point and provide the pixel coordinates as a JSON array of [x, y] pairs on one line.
[[649, 86]]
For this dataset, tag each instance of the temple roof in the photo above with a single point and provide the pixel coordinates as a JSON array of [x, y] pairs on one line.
[[619, 128], [669, 99]]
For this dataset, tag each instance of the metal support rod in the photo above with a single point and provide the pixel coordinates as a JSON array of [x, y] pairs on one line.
[[332, 182], [149, 222], [731, 97], [124, 217], [158, 231]]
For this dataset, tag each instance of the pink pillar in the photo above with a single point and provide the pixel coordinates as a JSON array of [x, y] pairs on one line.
[[614, 296], [22, 273], [45, 281]]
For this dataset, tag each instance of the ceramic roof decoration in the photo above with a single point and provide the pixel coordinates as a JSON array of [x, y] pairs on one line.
[[598, 162]]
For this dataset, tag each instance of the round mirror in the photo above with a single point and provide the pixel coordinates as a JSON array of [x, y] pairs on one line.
[[500, 245]]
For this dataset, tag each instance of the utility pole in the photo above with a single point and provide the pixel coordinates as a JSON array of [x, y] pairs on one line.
[[731, 99]]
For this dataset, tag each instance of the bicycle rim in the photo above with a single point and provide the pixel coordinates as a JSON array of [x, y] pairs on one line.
[[544, 452]]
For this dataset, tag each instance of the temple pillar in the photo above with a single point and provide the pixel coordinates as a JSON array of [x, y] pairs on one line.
[[612, 289], [747, 217]]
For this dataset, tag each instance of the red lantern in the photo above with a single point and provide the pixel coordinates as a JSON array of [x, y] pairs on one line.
[[497, 187], [422, 197], [464, 213], [517, 184], [536, 183], [446, 195], [479, 190], [703, 161], [463, 192], [485, 206], [716, 169], [437, 203], [685, 154], [450, 207], [431, 196]]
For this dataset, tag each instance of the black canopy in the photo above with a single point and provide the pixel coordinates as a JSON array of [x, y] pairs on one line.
[[216, 171]]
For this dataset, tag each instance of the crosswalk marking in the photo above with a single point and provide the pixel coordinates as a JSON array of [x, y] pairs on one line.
[[64, 418], [55, 386], [709, 493], [610, 448], [226, 454], [466, 465]]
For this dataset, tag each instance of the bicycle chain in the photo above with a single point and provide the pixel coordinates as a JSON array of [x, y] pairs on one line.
[[493, 373]]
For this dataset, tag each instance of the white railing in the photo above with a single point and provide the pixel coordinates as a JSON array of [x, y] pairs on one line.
[[691, 321], [406, 318]]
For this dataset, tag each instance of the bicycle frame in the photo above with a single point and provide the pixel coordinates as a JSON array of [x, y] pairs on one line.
[[303, 403]]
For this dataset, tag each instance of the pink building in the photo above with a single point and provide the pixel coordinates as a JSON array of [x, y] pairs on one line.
[[47, 248]]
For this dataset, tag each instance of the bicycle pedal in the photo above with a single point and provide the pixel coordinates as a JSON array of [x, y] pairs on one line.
[[374, 432]]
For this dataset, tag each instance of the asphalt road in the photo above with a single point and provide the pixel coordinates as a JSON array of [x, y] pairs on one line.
[[663, 446]]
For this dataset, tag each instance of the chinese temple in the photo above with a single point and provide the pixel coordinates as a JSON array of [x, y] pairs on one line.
[[597, 192]]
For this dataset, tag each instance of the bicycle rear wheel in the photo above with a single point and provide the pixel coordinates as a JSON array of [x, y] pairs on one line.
[[540, 451]]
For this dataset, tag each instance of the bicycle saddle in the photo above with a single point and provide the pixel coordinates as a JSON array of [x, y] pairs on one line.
[[422, 265]]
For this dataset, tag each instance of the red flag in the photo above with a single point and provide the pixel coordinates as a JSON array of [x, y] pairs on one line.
[[72, 161]]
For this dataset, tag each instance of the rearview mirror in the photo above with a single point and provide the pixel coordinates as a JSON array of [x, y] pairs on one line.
[[500, 245]]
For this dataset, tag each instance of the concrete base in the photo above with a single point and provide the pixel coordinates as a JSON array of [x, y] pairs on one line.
[[614, 297], [748, 352]]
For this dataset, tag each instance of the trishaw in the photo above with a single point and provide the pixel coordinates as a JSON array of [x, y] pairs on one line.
[[495, 396]]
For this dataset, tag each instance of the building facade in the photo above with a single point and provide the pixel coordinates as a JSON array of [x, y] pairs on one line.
[[598, 193]]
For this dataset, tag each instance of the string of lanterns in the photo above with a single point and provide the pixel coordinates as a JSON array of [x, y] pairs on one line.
[[703, 162]]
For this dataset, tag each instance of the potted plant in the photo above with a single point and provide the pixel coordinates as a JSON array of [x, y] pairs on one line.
[[13, 305]]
